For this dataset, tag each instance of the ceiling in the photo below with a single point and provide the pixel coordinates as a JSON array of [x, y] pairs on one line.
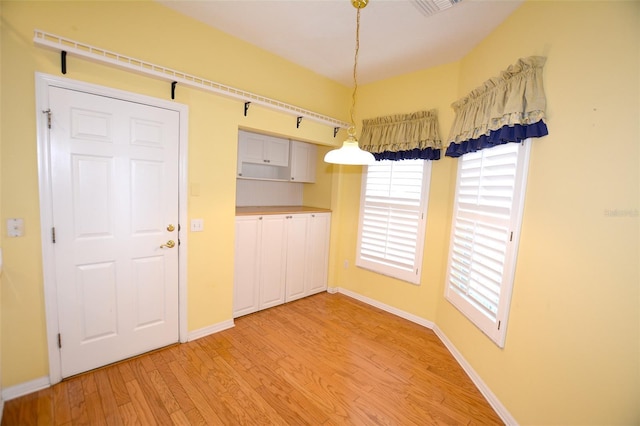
[[396, 36]]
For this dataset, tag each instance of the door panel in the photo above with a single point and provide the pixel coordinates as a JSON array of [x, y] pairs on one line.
[[317, 263], [92, 196], [115, 192], [246, 287], [150, 293], [147, 212], [96, 286], [272, 265], [296, 253]]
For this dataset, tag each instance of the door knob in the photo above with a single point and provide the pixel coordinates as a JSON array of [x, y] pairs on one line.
[[169, 244]]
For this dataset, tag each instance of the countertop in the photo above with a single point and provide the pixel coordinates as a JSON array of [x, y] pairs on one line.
[[254, 210]]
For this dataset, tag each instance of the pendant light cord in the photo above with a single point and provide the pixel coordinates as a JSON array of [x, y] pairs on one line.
[[355, 72]]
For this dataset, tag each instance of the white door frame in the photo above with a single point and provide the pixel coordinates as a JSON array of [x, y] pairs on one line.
[[43, 82]]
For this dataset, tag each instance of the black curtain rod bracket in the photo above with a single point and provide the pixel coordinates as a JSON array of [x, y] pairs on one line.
[[335, 131], [246, 107], [298, 122], [173, 89], [63, 61]]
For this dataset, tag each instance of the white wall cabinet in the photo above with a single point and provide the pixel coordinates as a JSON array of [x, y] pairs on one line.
[[303, 162], [263, 149], [263, 157], [279, 258]]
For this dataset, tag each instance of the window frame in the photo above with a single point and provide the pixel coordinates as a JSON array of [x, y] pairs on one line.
[[496, 328], [412, 275]]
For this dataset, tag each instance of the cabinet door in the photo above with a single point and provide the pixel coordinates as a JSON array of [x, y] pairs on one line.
[[246, 273], [317, 263], [303, 162], [297, 226], [272, 261], [276, 151], [250, 148]]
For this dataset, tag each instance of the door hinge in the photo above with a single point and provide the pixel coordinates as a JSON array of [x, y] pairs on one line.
[[59, 341], [48, 112], [53, 235]]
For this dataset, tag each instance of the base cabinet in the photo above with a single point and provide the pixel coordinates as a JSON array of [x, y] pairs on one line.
[[279, 258]]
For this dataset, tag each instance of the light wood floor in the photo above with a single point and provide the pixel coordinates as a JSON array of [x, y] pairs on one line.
[[324, 360]]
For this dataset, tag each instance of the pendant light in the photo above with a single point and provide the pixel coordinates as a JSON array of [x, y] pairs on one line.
[[350, 153]]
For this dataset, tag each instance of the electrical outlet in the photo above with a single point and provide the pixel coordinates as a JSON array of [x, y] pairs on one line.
[[15, 227], [197, 225]]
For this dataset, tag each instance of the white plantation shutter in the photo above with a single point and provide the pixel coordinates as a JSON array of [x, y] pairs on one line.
[[484, 235], [392, 218]]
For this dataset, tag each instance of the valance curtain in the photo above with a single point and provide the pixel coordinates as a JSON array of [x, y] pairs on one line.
[[402, 136], [508, 108]]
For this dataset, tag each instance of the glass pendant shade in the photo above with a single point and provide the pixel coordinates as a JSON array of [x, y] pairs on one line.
[[349, 154]]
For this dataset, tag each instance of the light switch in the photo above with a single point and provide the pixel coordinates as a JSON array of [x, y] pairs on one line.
[[197, 225], [15, 228]]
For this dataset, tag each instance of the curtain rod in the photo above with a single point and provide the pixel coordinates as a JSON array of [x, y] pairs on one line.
[[137, 65]]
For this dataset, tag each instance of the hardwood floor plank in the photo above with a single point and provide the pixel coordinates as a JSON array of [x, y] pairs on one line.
[[107, 398], [178, 418], [283, 397], [179, 394], [124, 368], [195, 418], [118, 387], [45, 407], [128, 414], [95, 412], [191, 389], [153, 399], [29, 410], [166, 397], [88, 383], [61, 408], [322, 360], [140, 405], [75, 391]]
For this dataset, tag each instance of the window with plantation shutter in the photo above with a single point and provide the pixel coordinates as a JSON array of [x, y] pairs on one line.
[[393, 210], [484, 235]]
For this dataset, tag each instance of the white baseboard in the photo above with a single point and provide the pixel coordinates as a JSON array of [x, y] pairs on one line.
[[493, 400], [395, 311], [205, 331], [25, 388]]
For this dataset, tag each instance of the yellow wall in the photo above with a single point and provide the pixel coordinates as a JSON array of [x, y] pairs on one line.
[[149, 31], [572, 348]]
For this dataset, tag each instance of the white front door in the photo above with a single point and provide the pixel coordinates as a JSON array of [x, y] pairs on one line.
[[114, 174]]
